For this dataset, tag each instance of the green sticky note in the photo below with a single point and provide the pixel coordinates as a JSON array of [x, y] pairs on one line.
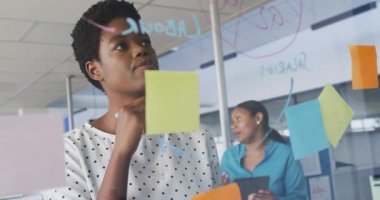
[[336, 114], [172, 102]]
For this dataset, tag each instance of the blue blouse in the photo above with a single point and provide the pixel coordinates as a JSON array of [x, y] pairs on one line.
[[287, 180]]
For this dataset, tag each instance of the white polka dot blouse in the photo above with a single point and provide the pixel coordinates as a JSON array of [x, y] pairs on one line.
[[171, 166]]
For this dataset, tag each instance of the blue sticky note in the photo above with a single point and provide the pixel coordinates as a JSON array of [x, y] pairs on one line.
[[305, 124]]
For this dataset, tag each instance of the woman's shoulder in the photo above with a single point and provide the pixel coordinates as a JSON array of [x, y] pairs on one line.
[[234, 151], [283, 147], [85, 135], [87, 132], [77, 133], [74, 138]]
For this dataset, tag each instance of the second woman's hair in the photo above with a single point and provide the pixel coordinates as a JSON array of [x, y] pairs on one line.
[[254, 107]]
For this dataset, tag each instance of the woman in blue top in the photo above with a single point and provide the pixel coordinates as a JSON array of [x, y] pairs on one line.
[[262, 152]]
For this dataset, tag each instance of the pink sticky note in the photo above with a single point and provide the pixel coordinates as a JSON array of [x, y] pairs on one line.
[[31, 152]]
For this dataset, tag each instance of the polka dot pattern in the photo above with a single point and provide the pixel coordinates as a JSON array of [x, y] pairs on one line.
[[170, 166]]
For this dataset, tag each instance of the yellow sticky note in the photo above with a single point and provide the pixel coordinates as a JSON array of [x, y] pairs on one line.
[[364, 67], [336, 114], [172, 102]]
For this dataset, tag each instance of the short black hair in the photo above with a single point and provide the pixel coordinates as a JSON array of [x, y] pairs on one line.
[[86, 37]]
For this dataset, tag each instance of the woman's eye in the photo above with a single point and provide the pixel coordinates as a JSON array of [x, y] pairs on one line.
[[121, 46], [146, 43]]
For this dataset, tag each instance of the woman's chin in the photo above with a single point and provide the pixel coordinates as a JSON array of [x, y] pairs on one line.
[[238, 138]]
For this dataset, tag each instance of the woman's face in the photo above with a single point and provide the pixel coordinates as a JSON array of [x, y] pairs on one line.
[[124, 58], [244, 125]]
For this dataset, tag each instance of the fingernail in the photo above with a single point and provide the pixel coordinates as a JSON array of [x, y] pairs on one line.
[[117, 115]]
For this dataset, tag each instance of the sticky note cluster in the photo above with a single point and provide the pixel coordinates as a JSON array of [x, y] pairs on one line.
[[316, 123]]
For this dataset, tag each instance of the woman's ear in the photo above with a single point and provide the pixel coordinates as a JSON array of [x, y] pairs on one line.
[[94, 70], [259, 117]]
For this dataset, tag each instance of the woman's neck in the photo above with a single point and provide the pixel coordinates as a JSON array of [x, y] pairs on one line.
[[257, 144], [107, 122]]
